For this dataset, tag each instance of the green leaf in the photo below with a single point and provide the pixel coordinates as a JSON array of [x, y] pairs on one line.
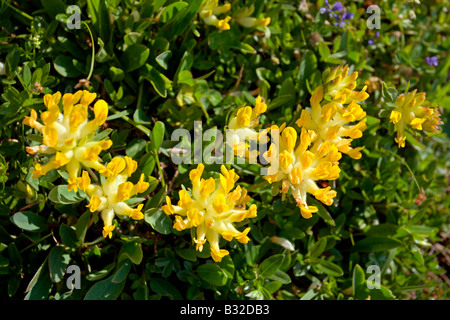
[[65, 66], [375, 244], [159, 221], [159, 82], [163, 59], [165, 288], [61, 194], [281, 276], [122, 271], [158, 134], [98, 275], [212, 274], [82, 225], [134, 57], [58, 260], [187, 254], [105, 290], [172, 10], [99, 14], [381, 294], [133, 250], [327, 267], [68, 236], [53, 7], [12, 61], [116, 74], [324, 51], [269, 266], [227, 266], [29, 221], [358, 282], [307, 67], [40, 285], [183, 20], [318, 248]]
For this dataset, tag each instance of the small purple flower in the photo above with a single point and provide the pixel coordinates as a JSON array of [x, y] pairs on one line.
[[327, 3], [377, 34], [340, 23], [323, 10], [337, 7], [371, 42], [432, 61], [348, 16]]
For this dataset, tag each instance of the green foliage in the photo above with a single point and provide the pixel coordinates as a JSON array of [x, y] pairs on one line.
[[161, 68]]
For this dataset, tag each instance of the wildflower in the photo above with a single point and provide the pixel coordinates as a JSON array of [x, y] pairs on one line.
[[325, 9], [327, 130], [336, 116], [209, 11], [413, 111], [211, 208], [432, 61], [68, 136], [338, 7], [243, 17], [302, 164], [110, 197], [348, 16], [242, 127]]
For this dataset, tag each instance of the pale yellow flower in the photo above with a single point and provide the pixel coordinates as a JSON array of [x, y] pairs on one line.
[[68, 135], [212, 208], [110, 197], [413, 111]]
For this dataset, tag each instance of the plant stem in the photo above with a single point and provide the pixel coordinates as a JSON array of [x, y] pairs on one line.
[[130, 121], [406, 165], [35, 243], [23, 14], [93, 50]]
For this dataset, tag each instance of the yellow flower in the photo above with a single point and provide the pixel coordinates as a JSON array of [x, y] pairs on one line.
[[212, 208], [243, 17], [67, 135], [334, 120], [335, 114], [241, 129], [209, 11], [110, 197], [414, 111], [302, 164]]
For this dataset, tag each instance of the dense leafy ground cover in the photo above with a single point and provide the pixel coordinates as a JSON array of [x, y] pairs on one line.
[[155, 66]]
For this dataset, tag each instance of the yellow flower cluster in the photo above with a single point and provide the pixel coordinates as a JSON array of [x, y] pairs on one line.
[[211, 208], [243, 127], [210, 10], [414, 111], [110, 197], [334, 120], [69, 138]]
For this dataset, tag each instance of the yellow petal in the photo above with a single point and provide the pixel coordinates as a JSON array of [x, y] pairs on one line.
[[84, 181], [395, 116], [50, 135], [218, 255], [107, 231], [195, 174], [131, 165], [168, 208], [95, 203], [100, 112]]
